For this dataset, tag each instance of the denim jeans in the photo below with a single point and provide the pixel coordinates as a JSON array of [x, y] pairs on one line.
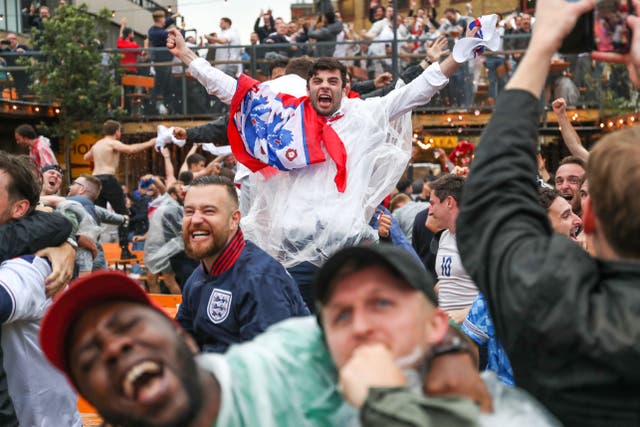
[[303, 275], [496, 83]]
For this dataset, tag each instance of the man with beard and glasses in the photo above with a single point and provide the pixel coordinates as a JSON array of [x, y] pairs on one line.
[[126, 357], [238, 290]]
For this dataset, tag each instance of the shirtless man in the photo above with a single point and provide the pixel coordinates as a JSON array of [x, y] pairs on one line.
[[105, 155]]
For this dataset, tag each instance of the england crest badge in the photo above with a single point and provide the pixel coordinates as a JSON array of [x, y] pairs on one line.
[[219, 305]]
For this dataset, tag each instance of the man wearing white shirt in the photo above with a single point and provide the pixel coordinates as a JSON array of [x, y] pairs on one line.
[[41, 395], [380, 32], [456, 290], [224, 53]]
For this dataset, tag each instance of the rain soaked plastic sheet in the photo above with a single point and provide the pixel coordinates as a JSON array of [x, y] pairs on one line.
[[300, 215], [282, 378], [164, 238]]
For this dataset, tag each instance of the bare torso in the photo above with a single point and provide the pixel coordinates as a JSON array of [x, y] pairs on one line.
[[105, 157]]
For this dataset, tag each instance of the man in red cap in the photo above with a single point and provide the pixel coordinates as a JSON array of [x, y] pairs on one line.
[[126, 357]]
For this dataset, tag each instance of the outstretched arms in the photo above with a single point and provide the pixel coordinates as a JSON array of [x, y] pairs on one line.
[[569, 134]]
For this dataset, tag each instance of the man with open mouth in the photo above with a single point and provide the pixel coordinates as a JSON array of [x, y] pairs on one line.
[[238, 290], [126, 357], [568, 179], [563, 220], [51, 180]]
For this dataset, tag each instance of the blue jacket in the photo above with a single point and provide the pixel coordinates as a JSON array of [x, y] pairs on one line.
[[239, 298]]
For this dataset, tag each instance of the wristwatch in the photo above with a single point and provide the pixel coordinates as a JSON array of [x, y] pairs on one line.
[[72, 242], [452, 343]]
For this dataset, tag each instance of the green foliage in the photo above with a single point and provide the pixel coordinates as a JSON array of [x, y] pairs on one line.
[[619, 97], [70, 70]]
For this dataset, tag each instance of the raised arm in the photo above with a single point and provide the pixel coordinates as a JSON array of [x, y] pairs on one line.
[[169, 170], [435, 77], [185, 166], [569, 134], [215, 81], [435, 51], [503, 234], [213, 168], [421, 90], [133, 148], [123, 24]]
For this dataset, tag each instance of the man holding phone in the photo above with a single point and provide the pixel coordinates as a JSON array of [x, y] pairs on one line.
[[567, 321]]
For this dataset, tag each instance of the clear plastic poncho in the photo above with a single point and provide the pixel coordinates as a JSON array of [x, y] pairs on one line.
[[284, 377], [87, 225], [164, 238], [300, 215]]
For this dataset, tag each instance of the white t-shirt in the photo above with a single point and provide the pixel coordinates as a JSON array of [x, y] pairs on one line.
[[224, 53], [381, 31], [457, 290], [40, 393]]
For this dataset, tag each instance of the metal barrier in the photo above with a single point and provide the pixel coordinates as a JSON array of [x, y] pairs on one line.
[[475, 86]]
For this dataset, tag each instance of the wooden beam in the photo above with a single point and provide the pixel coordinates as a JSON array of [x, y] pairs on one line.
[[480, 118]]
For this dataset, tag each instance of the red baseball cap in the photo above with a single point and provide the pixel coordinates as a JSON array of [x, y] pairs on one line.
[[83, 294]]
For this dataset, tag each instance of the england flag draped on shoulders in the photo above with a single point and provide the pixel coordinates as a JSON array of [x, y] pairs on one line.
[[281, 131], [306, 205]]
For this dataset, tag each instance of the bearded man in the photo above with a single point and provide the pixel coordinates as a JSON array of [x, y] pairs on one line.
[[238, 290]]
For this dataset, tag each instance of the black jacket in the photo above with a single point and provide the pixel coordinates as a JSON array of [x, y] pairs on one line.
[[367, 88], [569, 323], [28, 235], [215, 131]]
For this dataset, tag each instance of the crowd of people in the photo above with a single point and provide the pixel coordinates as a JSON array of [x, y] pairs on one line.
[[318, 286], [367, 52]]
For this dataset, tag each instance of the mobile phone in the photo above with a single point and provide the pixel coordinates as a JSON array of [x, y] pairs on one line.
[[604, 29], [611, 32]]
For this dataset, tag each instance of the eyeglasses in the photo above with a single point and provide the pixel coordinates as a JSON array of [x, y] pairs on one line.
[[78, 183]]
